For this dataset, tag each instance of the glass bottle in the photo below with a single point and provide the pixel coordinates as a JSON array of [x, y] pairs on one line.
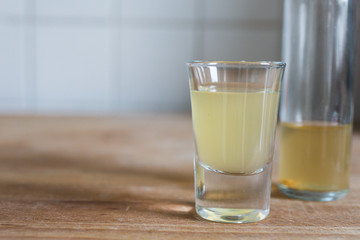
[[316, 107]]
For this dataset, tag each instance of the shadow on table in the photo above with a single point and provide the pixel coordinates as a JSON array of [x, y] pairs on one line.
[[30, 176], [276, 193]]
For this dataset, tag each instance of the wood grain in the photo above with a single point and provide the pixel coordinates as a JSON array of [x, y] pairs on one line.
[[131, 177]]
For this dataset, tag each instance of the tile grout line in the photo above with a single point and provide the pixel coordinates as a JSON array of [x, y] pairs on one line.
[[198, 50], [115, 22], [115, 61], [30, 56], [110, 91]]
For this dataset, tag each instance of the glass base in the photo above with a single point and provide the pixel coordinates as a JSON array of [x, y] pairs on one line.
[[226, 215], [232, 198], [312, 195]]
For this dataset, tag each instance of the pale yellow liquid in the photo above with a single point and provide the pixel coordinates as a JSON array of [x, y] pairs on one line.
[[234, 129], [315, 156]]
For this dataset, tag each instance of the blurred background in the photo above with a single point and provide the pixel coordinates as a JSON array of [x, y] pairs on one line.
[[124, 56]]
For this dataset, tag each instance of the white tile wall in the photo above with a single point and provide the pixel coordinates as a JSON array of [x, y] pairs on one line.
[[244, 9], [77, 8], [238, 45], [72, 66], [12, 7], [164, 9], [153, 69], [12, 81], [123, 55]]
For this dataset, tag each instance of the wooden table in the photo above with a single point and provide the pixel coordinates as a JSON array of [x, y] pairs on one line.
[[132, 178]]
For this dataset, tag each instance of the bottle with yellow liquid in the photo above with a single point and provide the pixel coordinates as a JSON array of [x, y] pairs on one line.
[[234, 112], [315, 158], [316, 108]]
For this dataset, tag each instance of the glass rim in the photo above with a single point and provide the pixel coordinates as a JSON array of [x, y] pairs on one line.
[[203, 63]]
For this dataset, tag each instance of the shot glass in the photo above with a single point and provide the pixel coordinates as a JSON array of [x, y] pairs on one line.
[[234, 113]]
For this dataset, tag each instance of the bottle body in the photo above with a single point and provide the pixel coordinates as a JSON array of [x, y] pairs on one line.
[[316, 108]]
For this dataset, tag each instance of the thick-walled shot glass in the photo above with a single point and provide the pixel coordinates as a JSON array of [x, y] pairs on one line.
[[234, 113]]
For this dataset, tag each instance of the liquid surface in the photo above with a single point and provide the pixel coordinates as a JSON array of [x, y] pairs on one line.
[[234, 130], [315, 156]]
